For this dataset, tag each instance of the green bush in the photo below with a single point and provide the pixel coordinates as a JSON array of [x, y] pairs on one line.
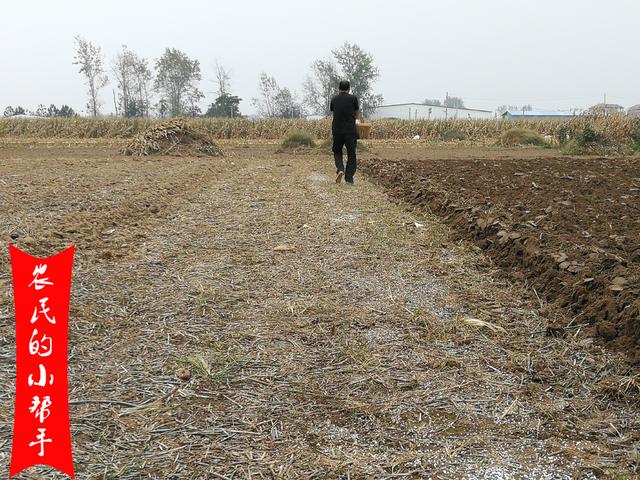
[[572, 147], [562, 134], [521, 136], [297, 139], [587, 141], [453, 134], [588, 136]]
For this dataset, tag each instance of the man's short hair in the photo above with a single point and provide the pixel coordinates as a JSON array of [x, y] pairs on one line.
[[345, 86]]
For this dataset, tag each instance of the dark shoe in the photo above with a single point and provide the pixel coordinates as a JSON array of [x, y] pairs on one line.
[[349, 182], [339, 177]]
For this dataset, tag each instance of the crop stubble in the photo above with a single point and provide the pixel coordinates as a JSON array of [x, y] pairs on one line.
[[199, 349]]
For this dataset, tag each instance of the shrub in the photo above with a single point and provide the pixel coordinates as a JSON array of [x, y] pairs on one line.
[[453, 134], [588, 141], [298, 139], [562, 133], [588, 136], [572, 147], [521, 136]]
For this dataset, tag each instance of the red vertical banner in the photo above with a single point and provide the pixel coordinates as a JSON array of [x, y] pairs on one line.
[[41, 430]]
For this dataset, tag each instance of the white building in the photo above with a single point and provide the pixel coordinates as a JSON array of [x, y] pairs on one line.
[[536, 115], [634, 111], [419, 111]]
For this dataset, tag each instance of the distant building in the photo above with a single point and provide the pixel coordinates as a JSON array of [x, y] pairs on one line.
[[634, 111], [535, 115], [606, 109], [419, 111], [23, 117]]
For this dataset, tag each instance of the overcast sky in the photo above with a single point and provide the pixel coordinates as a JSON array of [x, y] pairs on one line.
[[553, 54]]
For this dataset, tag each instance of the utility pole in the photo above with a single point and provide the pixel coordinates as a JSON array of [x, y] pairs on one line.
[[446, 106]]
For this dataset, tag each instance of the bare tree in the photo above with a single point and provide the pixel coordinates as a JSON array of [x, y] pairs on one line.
[[223, 80], [89, 57], [133, 78], [225, 105], [320, 87], [123, 73], [287, 105], [143, 77], [276, 102], [268, 89]]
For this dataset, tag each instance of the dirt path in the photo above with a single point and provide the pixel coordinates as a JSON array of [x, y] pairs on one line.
[[343, 356]]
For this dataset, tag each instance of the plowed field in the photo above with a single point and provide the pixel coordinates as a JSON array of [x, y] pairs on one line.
[[569, 227]]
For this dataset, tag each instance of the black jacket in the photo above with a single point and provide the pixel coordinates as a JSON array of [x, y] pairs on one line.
[[344, 107]]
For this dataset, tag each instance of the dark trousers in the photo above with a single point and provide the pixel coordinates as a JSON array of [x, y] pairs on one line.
[[345, 140]]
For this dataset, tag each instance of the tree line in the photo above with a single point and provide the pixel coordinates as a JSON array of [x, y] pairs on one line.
[[170, 86], [41, 111], [449, 102]]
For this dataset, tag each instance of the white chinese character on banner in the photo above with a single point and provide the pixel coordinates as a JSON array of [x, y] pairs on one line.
[[40, 407], [43, 347], [44, 310], [43, 378], [41, 440], [39, 283]]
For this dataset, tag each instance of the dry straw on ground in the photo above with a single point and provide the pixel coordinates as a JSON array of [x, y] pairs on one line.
[[203, 346]]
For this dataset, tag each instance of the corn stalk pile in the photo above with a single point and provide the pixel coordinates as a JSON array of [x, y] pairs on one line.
[[174, 137]]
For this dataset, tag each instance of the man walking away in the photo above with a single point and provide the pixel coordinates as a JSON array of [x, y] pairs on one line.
[[345, 109]]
